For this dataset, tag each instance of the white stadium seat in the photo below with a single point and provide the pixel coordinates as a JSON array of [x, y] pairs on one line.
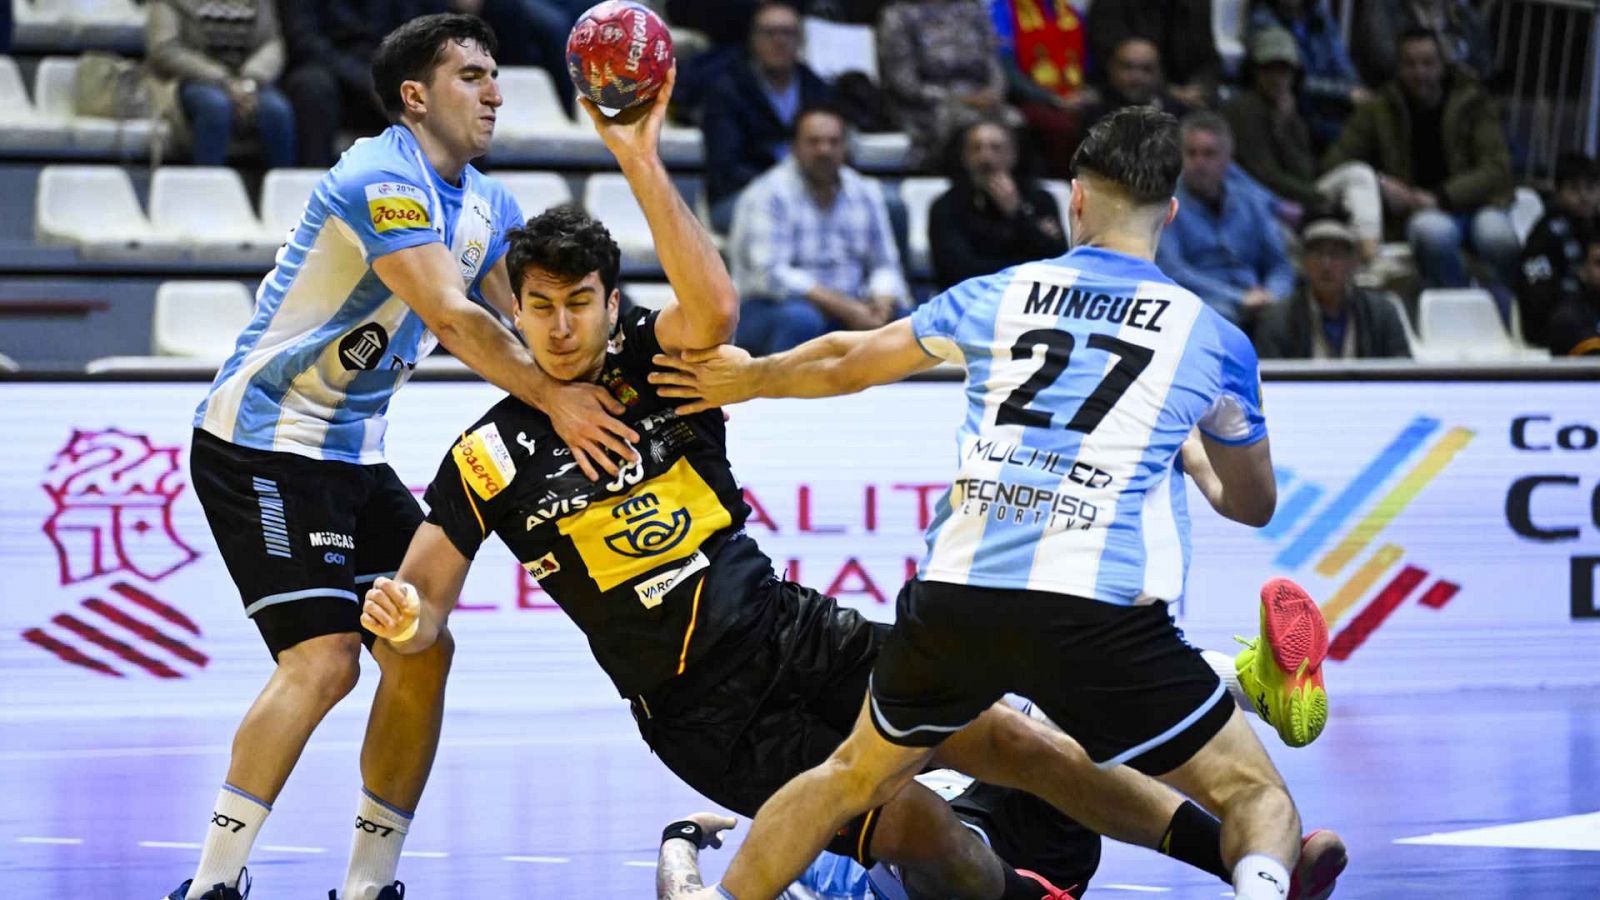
[[834, 48], [608, 198], [1229, 27], [1462, 324], [39, 23], [7, 364], [532, 122], [95, 209], [1061, 192], [101, 22], [200, 320], [22, 127], [535, 192], [52, 89], [206, 209], [284, 193], [648, 294], [918, 195], [883, 152], [680, 145], [1526, 210]]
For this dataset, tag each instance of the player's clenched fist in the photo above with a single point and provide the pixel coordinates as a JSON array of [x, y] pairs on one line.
[[391, 610]]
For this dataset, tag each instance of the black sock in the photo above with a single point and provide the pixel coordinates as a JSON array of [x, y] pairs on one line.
[[1019, 887], [1195, 837]]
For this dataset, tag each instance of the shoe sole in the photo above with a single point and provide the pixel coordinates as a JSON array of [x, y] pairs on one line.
[[1325, 870], [1297, 637]]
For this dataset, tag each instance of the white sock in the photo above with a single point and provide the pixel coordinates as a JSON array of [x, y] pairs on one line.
[[235, 821], [1222, 664], [375, 852], [1259, 877]]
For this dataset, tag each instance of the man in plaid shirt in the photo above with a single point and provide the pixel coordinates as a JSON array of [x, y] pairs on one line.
[[811, 246]]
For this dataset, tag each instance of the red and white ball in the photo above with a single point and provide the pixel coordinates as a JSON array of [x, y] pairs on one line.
[[619, 54]]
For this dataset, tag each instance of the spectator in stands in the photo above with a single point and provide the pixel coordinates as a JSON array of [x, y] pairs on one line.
[[940, 71], [1554, 249], [1181, 32], [1574, 328], [225, 56], [330, 46], [1436, 139], [1044, 52], [1459, 27], [1133, 78], [1223, 244], [750, 116], [1274, 143], [992, 217], [1329, 86], [812, 249], [1327, 316]]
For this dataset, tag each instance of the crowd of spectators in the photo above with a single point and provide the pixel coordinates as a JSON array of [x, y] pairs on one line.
[[1300, 161]]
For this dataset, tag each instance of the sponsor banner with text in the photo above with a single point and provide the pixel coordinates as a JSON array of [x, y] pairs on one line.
[[1451, 532]]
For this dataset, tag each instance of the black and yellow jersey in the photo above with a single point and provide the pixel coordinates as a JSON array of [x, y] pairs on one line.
[[652, 564]]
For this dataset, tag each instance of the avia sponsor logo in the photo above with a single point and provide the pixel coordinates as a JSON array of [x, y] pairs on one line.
[[542, 567], [652, 591], [112, 529], [1557, 507], [555, 509], [1336, 533], [332, 539], [485, 463]]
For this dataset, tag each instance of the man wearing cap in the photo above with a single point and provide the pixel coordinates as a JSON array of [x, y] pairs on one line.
[[1274, 143], [1327, 316]]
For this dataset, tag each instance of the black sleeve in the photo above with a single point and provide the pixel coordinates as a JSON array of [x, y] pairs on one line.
[[1389, 339], [954, 257], [1043, 240], [1539, 278], [469, 512], [1271, 335]]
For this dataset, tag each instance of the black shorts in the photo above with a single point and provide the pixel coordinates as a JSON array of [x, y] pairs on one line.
[[1031, 834], [766, 707], [302, 537], [1119, 679]]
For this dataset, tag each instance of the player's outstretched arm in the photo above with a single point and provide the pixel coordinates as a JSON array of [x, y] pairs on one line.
[[1236, 480], [842, 362], [427, 279], [706, 310], [410, 610], [678, 866]]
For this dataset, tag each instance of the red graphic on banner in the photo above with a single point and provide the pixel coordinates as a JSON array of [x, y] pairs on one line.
[[113, 493]]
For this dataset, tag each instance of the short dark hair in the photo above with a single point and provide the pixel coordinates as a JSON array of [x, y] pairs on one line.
[[412, 51], [566, 242], [764, 5], [1136, 148], [817, 109], [1209, 122], [1575, 168], [1419, 33]]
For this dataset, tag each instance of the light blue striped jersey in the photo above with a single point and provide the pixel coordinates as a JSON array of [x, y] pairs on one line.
[[1085, 374], [329, 343]]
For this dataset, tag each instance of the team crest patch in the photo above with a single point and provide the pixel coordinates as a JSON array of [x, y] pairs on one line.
[[620, 388], [542, 567], [484, 461], [394, 204]]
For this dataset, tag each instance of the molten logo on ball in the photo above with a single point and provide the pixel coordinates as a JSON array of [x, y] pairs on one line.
[[619, 53]]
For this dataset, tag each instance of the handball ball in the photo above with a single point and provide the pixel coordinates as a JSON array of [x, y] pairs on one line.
[[619, 54]]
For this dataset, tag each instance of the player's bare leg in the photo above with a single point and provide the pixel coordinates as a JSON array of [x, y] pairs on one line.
[[396, 757], [311, 677]]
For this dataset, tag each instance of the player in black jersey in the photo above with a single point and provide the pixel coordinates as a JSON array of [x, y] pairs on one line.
[[738, 680]]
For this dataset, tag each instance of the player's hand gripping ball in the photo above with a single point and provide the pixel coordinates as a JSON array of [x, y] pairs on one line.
[[619, 53]]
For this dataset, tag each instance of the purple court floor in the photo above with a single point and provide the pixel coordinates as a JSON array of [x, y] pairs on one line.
[[1482, 795]]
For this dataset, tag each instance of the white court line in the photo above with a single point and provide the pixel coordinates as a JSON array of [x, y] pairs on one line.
[[537, 859], [1137, 888], [640, 864], [280, 848], [49, 840], [170, 845], [424, 854]]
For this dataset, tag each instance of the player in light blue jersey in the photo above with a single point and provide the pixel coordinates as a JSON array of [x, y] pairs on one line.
[[1063, 537], [400, 247]]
